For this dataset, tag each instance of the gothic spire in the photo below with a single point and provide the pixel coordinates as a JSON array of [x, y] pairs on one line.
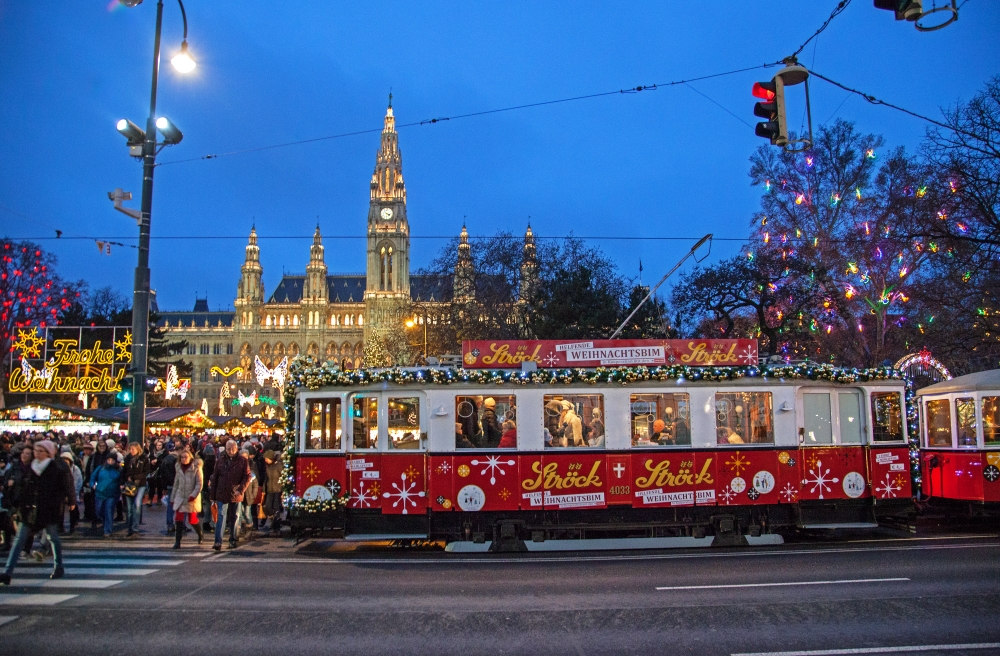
[[387, 180]]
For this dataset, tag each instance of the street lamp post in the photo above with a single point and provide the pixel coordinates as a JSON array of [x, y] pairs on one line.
[[183, 62], [412, 322]]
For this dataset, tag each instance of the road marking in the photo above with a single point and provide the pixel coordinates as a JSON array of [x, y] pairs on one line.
[[16, 599], [73, 560], [234, 558], [876, 650], [85, 571], [5, 619], [69, 584], [777, 585]]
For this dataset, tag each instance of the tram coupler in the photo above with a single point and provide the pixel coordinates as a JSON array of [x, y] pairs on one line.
[[505, 538], [727, 532]]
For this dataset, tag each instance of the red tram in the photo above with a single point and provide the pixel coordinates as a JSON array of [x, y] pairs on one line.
[[960, 442], [512, 457]]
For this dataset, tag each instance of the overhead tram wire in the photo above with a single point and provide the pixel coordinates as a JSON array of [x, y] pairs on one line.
[[875, 101], [841, 6], [442, 119]]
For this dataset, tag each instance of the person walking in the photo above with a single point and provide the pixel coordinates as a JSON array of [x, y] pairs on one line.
[[15, 479], [87, 464], [207, 467], [106, 483], [186, 497], [229, 482], [44, 500], [167, 469], [74, 513], [272, 490], [134, 479]]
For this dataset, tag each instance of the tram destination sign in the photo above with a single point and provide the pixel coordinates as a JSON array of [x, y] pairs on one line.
[[561, 354], [69, 359]]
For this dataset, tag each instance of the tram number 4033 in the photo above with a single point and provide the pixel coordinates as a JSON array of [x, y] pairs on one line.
[[620, 489]]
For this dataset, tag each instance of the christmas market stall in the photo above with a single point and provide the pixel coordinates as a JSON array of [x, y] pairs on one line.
[[41, 417]]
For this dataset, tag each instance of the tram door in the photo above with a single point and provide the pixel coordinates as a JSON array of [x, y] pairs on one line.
[[832, 433]]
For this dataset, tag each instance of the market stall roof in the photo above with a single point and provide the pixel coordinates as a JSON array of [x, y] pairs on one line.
[[153, 415], [982, 380], [52, 406]]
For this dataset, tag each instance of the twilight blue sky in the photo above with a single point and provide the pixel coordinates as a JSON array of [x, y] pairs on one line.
[[660, 163]]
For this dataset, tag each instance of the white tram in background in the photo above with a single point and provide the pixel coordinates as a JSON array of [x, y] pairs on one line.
[[514, 463], [960, 441]]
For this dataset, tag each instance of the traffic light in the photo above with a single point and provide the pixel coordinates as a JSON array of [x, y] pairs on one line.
[[124, 397], [771, 108], [905, 9]]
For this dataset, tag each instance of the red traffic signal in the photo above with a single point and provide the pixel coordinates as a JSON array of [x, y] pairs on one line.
[[772, 109], [764, 90]]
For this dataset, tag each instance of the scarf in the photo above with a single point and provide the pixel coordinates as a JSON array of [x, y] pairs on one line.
[[38, 466]]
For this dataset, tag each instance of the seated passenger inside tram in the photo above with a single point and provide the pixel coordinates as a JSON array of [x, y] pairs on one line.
[[461, 441], [595, 437], [682, 433], [509, 438]]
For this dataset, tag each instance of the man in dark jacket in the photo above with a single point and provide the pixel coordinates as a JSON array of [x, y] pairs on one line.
[[207, 467], [137, 469], [230, 480], [491, 426], [49, 491], [167, 471]]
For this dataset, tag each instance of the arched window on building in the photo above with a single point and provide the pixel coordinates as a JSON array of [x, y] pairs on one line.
[[293, 349], [295, 320], [389, 275], [279, 349], [281, 320], [361, 319], [312, 349]]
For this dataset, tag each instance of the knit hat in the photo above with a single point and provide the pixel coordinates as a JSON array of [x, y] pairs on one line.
[[110, 443], [209, 450], [269, 455], [90, 445], [66, 455], [49, 446], [489, 403]]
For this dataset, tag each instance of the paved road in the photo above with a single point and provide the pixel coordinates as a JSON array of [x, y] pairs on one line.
[[271, 597]]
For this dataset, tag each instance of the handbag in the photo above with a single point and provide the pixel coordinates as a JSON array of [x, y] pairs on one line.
[[130, 489]]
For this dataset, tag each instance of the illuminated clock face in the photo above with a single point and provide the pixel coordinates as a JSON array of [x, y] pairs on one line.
[[386, 213]]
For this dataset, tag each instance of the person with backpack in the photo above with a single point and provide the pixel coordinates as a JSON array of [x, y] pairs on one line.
[[134, 479], [106, 483], [167, 471]]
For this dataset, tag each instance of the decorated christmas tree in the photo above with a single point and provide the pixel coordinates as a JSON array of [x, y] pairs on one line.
[[376, 354]]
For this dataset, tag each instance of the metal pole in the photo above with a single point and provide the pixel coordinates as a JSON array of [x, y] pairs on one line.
[[140, 295], [662, 280]]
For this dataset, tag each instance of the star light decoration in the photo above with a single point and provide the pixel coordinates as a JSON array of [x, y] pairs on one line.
[[124, 346], [29, 343]]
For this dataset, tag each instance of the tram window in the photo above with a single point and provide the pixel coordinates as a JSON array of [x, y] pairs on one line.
[[887, 417], [965, 412], [323, 424], [850, 418], [485, 422], [939, 423], [404, 422], [991, 420], [660, 419], [744, 418], [364, 415], [817, 418], [573, 420]]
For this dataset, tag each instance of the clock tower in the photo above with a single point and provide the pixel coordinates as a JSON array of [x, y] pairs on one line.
[[387, 292]]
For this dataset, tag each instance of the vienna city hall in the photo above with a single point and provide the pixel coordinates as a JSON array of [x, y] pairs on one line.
[[331, 317]]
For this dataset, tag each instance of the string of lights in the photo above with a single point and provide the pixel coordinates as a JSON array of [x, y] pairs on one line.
[[486, 112]]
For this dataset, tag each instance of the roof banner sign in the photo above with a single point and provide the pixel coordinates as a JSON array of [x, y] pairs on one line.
[[561, 354]]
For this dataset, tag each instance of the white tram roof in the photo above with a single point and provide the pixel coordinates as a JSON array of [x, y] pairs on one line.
[[982, 380]]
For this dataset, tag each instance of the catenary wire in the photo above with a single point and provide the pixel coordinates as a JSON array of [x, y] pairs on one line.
[[431, 121], [841, 6]]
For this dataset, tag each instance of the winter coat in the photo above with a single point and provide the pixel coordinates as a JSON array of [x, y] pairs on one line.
[[137, 468], [253, 490], [230, 478], [14, 480], [95, 461], [272, 484], [77, 479], [106, 481], [491, 428], [166, 470], [572, 429], [188, 484], [509, 439], [46, 496]]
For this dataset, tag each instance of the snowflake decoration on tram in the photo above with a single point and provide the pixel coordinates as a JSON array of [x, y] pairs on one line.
[[737, 463], [362, 498], [727, 495], [443, 468], [991, 473], [748, 355], [821, 479], [789, 493], [492, 464], [405, 492], [889, 487], [551, 359]]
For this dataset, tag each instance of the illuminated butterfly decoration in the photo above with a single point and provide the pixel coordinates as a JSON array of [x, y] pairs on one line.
[[250, 400], [46, 373], [277, 374], [175, 386]]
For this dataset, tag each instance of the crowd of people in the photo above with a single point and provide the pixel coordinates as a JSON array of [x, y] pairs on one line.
[[51, 480]]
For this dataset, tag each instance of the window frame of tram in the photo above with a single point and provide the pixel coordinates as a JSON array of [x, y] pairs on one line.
[[932, 422], [832, 417], [991, 420], [367, 399], [328, 410], [735, 405], [965, 422], [470, 409], [660, 419], [887, 417], [407, 434], [583, 406]]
